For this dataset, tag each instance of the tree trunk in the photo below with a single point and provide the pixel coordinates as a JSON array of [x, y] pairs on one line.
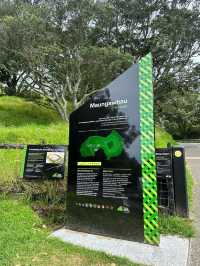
[[11, 89]]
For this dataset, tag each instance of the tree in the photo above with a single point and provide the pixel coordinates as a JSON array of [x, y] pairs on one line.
[[82, 31], [100, 66], [168, 29], [73, 21], [181, 114], [56, 76], [66, 76], [21, 31]]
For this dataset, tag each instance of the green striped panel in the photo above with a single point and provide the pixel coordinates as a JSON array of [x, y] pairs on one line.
[[149, 182]]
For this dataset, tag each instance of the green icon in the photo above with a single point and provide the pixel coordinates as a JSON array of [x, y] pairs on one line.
[[120, 209], [112, 145]]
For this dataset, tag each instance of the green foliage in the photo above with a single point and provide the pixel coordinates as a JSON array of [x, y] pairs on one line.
[[23, 29], [23, 241], [100, 66], [181, 114], [162, 138]]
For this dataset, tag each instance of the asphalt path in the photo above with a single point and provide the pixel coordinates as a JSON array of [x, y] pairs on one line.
[[192, 152]]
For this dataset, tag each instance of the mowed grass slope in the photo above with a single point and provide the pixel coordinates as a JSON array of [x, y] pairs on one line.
[[24, 122]]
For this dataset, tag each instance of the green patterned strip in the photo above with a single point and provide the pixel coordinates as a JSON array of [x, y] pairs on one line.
[[150, 202]]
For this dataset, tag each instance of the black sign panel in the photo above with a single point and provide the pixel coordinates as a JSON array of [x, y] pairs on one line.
[[44, 162], [111, 159], [104, 178], [104, 153]]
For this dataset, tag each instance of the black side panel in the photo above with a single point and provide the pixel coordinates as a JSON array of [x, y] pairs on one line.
[[180, 185]]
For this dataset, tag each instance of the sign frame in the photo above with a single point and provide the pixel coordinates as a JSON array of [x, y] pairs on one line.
[[145, 104]]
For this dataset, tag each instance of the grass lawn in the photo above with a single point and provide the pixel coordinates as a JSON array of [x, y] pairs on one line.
[[174, 225], [24, 242]]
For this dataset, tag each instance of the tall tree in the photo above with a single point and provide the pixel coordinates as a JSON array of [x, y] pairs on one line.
[[29, 30], [21, 31], [168, 29], [181, 114], [67, 76]]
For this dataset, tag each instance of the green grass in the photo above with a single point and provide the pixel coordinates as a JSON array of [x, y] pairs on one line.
[[24, 241], [162, 138], [190, 184], [26, 122], [174, 225], [10, 166]]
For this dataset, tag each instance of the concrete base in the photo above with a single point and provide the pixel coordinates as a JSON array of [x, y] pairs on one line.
[[172, 251]]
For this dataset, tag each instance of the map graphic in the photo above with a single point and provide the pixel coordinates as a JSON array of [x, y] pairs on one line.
[[112, 145]]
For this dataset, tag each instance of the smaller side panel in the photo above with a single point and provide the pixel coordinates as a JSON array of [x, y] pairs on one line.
[[44, 162]]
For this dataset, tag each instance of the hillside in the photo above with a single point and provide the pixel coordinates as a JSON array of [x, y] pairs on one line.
[[25, 122]]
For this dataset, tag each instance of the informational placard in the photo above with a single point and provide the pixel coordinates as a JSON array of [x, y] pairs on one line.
[[164, 162], [165, 179], [44, 162], [112, 185]]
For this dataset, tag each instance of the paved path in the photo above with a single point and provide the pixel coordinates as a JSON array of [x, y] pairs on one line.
[[172, 251], [193, 159]]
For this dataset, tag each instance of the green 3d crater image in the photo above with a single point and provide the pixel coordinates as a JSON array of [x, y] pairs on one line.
[[112, 145]]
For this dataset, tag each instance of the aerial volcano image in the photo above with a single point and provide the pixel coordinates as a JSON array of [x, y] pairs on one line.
[[112, 145]]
